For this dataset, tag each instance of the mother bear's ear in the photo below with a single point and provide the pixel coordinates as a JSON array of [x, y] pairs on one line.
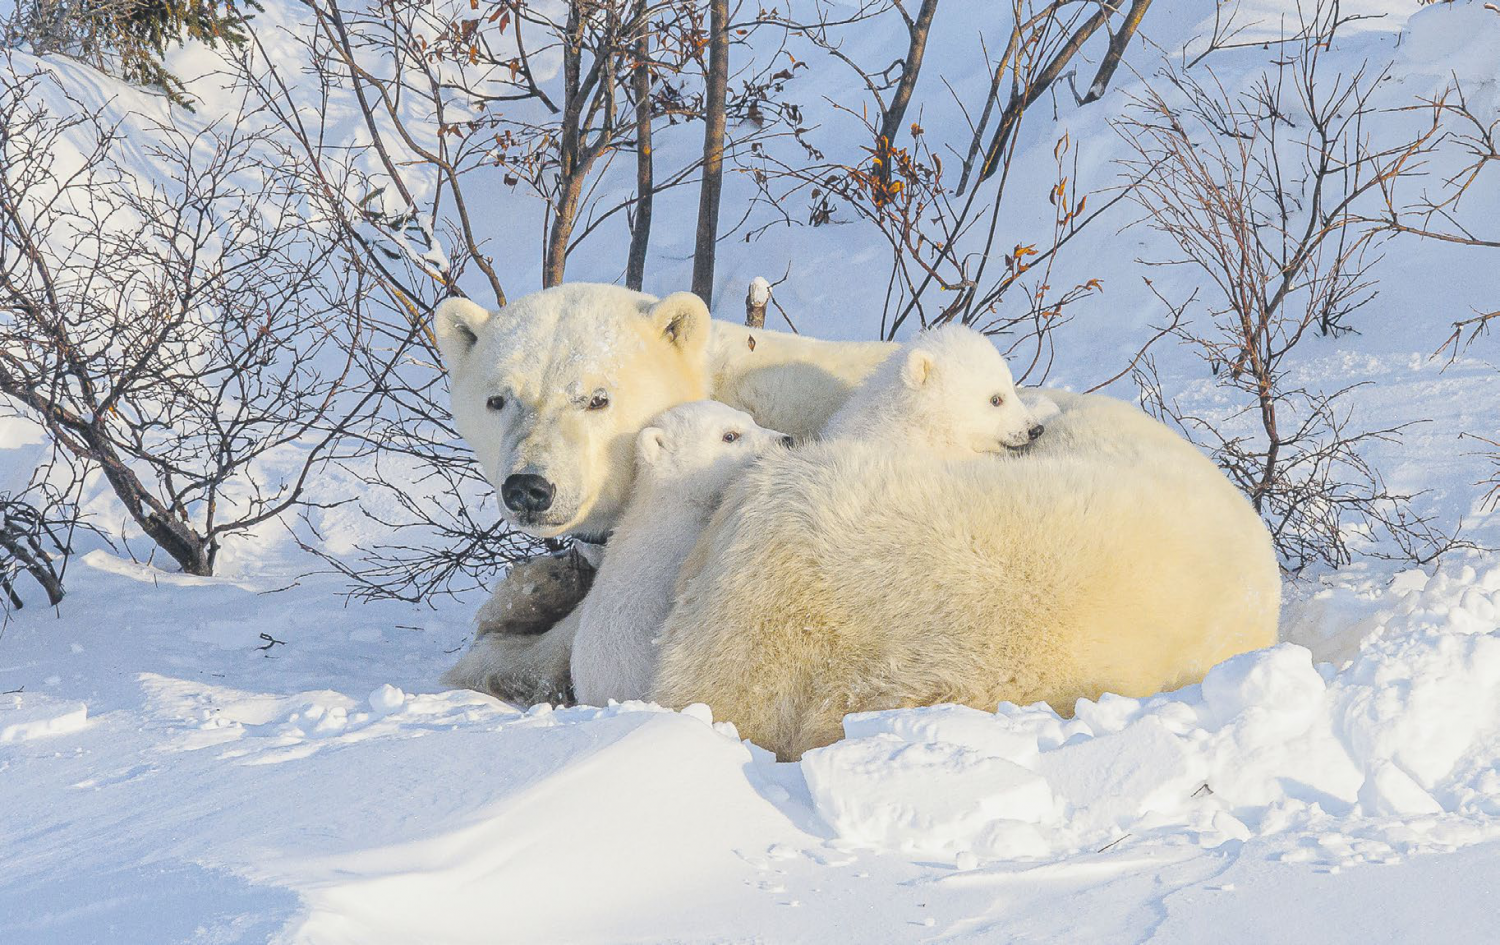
[[457, 323], [683, 320]]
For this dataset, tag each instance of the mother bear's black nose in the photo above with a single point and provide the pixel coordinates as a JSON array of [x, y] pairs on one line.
[[525, 492], [1036, 431]]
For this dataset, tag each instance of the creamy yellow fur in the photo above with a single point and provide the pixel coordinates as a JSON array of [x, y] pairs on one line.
[[1111, 557], [880, 580], [547, 352], [787, 382]]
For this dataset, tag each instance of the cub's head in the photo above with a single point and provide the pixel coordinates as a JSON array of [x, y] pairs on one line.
[[957, 387], [552, 390], [698, 449]]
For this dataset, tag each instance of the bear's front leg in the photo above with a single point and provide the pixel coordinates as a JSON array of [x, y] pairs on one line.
[[523, 638]]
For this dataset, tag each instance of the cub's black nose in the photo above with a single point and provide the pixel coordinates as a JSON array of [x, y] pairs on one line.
[[525, 492], [1036, 431], [787, 442]]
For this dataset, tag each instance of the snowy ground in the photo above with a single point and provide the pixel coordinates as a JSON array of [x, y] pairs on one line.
[[248, 759], [168, 781]]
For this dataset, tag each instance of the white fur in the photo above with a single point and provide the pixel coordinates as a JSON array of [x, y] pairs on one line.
[[947, 388], [548, 353], [548, 357], [1116, 471], [1110, 557], [787, 382], [683, 467]]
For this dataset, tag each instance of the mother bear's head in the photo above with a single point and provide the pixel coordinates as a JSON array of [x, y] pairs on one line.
[[551, 391]]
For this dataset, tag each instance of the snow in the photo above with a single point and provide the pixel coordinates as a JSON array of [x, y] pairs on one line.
[[759, 293], [1398, 748], [251, 758], [25, 716], [255, 807]]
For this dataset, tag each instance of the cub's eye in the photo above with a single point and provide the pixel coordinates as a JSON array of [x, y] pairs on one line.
[[731, 436], [599, 401], [496, 402], [996, 400]]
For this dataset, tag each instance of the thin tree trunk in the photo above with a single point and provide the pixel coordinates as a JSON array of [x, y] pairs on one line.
[[29, 557], [562, 230], [645, 177], [713, 151], [84, 439], [1025, 98], [890, 127], [175, 537], [1117, 44], [569, 174]]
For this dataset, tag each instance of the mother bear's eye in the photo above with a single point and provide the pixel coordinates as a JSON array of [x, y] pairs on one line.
[[731, 436], [496, 402], [996, 400], [599, 401]]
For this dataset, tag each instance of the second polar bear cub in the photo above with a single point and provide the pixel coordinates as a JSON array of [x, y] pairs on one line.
[[685, 461], [948, 387]]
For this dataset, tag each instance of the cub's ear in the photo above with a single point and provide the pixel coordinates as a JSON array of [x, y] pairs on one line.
[[683, 320], [457, 323], [917, 369], [650, 443]]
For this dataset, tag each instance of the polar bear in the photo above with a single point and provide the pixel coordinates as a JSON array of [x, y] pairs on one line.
[[684, 462], [949, 389], [787, 382], [1051, 577], [551, 392]]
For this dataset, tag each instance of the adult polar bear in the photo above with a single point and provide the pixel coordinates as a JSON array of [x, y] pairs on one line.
[[552, 391]]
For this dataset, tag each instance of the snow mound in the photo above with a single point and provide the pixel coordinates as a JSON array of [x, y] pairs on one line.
[[24, 716], [1400, 747]]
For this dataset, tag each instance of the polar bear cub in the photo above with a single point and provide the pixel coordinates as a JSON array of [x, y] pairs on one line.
[[685, 461], [949, 388]]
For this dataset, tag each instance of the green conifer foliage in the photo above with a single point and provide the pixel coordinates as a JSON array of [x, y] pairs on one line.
[[128, 38]]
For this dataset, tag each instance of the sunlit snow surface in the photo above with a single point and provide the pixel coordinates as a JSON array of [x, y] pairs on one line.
[[322, 791]]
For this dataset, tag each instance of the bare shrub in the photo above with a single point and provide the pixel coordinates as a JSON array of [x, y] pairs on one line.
[[31, 541], [451, 94], [454, 110], [37, 526], [1258, 193], [942, 228], [199, 341]]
